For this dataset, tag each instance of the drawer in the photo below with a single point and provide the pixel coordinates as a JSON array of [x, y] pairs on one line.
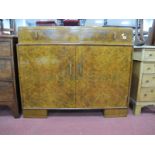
[[5, 49], [6, 91], [5, 69], [149, 55], [148, 80], [147, 94], [149, 67], [64, 34]]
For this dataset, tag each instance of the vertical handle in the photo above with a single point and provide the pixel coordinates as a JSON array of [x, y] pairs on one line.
[[70, 68], [80, 69], [35, 35]]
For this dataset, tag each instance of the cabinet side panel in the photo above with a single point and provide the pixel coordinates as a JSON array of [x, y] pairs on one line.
[[135, 79]]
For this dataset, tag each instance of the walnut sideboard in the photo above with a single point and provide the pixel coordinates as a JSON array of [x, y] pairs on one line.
[[75, 68], [8, 73], [143, 79]]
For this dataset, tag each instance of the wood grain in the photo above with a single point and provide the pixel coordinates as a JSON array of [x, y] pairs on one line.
[[8, 74], [74, 67], [5, 48], [47, 76], [5, 69], [105, 77], [6, 91], [76, 34]]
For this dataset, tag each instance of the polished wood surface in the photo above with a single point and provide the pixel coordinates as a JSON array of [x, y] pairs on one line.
[[38, 113], [117, 112], [5, 69], [5, 48], [6, 92], [47, 76], [75, 34], [74, 67], [102, 76], [8, 74]]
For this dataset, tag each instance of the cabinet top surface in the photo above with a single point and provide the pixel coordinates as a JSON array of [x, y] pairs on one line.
[[8, 36], [144, 47], [75, 34]]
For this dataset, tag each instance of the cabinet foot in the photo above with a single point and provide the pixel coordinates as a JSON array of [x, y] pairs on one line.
[[137, 109], [34, 113], [115, 112], [15, 111]]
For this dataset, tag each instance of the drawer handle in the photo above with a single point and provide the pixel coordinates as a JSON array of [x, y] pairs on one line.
[[150, 55], [145, 94], [147, 81], [153, 77], [148, 68], [36, 35]]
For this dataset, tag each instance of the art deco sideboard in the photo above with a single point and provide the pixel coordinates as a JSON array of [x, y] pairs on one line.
[[8, 72], [75, 68], [143, 80]]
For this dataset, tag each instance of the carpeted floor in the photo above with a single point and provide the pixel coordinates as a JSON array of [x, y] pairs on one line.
[[78, 123]]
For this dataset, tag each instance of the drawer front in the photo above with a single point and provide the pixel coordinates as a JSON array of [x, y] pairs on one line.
[[6, 91], [148, 80], [147, 94], [149, 55], [64, 34], [5, 49], [149, 68], [5, 69]]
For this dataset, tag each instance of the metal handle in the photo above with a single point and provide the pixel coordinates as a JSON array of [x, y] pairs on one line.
[[70, 68], [80, 69]]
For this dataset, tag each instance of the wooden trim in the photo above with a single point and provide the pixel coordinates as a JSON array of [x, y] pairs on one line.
[[78, 44]]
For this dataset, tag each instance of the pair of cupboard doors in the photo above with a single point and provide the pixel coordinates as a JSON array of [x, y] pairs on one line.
[[74, 76]]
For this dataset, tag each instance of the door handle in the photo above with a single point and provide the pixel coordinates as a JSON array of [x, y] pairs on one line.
[[80, 69], [70, 68]]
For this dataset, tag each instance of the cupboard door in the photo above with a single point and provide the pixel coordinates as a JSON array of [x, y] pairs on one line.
[[47, 76], [102, 76]]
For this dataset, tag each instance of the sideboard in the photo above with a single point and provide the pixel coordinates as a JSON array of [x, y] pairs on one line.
[[75, 68]]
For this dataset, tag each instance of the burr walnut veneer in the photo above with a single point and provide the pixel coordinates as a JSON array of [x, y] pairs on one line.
[[74, 67]]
